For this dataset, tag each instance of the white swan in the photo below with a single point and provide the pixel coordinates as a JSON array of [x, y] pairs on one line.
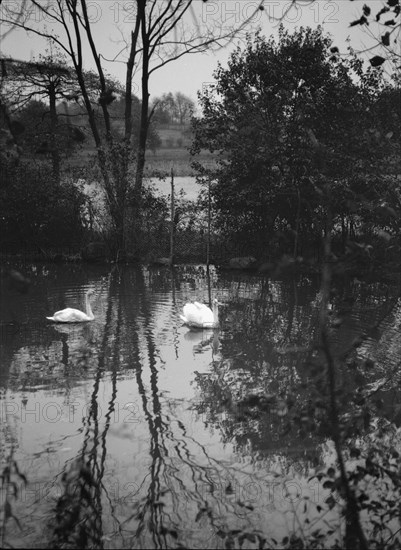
[[71, 315], [200, 316]]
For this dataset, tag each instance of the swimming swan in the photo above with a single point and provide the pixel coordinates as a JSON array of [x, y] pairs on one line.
[[71, 315], [200, 316]]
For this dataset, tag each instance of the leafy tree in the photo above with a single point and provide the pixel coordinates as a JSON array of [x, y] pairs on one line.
[[287, 119], [49, 215]]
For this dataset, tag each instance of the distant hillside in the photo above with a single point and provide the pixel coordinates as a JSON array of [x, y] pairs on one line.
[[174, 135], [174, 141]]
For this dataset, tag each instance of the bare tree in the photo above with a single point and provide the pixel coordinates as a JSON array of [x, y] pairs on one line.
[[7, 144], [185, 107], [162, 32], [48, 79], [176, 108]]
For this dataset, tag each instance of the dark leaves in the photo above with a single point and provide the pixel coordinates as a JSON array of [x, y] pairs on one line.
[[17, 128], [106, 97], [366, 10], [386, 39], [330, 501], [328, 484], [331, 472], [377, 60], [362, 21], [380, 13]]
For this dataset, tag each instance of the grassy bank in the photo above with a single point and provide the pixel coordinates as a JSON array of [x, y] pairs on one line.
[[159, 161]]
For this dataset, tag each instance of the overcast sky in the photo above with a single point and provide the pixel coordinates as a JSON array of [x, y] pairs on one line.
[[112, 20]]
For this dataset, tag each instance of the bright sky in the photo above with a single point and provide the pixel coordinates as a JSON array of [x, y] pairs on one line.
[[112, 20]]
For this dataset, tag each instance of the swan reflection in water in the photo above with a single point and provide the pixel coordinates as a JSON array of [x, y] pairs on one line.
[[203, 339]]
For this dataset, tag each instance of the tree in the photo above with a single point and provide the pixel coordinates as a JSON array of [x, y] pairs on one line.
[[286, 120], [170, 109], [49, 214], [160, 35], [46, 82], [185, 107], [387, 24], [165, 109]]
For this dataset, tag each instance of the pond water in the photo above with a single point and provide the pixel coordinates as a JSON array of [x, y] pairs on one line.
[[132, 420], [187, 184]]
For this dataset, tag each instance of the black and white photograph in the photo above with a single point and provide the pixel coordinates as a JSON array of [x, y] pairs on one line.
[[200, 274]]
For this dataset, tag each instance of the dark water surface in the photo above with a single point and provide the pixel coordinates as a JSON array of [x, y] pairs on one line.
[[151, 407]]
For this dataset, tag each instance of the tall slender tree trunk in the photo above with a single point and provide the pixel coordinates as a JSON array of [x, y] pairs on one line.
[[144, 125]]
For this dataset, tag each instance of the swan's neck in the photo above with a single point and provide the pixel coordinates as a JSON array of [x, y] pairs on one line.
[[88, 307]]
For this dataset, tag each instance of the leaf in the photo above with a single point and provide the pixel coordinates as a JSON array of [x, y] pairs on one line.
[[392, 3], [361, 21], [390, 22], [354, 452], [330, 502], [377, 60], [334, 49], [328, 484], [366, 10], [386, 39], [379, 13]]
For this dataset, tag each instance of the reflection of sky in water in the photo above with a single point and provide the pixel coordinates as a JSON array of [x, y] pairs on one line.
[[141, 396]]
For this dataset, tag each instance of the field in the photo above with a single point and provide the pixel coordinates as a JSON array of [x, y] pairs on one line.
[[173, 153]]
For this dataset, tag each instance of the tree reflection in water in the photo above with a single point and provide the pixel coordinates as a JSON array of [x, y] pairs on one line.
[[226, 428]]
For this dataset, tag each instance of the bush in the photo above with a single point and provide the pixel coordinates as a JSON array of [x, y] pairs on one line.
[[36, 211]]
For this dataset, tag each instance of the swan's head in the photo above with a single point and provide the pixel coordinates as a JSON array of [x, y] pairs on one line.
[[90, 292]]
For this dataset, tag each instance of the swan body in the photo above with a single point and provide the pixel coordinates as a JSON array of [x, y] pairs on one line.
[[71, 315], [200, 316]]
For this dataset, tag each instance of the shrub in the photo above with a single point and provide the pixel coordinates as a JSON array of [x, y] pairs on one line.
[[35, 210]]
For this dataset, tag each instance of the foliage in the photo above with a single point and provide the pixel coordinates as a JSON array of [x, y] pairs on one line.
[[173, 108], [288, 118], [386, 23], [76, 513], [10, 479], [49, 215], [154, 226], [117, 109]]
